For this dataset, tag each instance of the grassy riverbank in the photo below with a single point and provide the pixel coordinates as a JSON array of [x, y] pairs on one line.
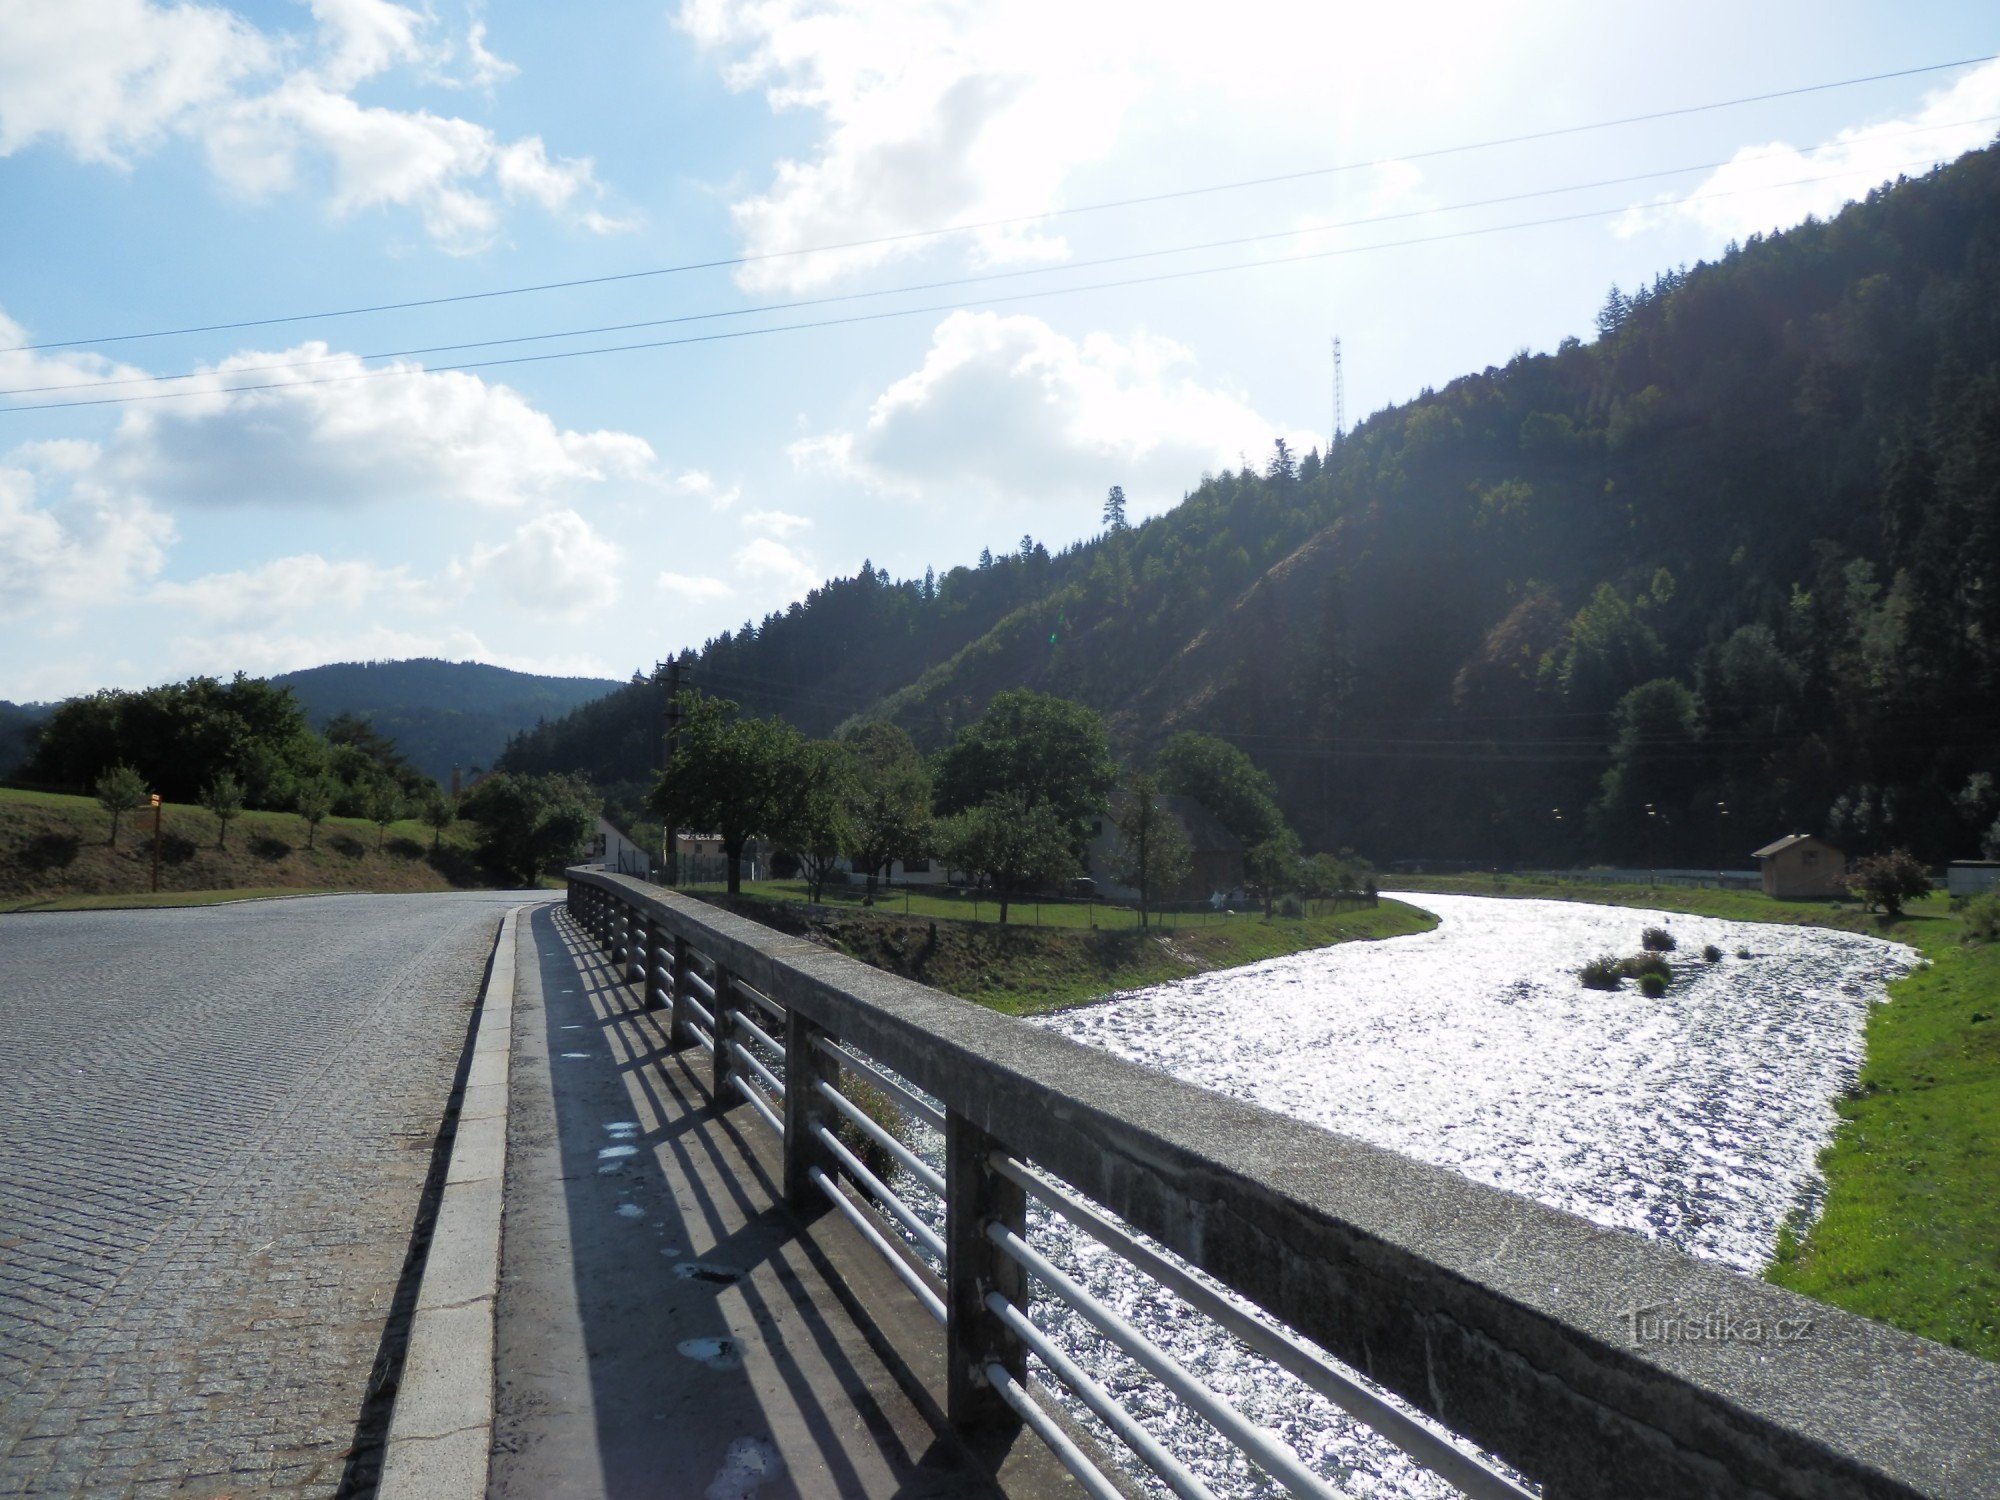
[[1023, 970], [56, 853], [1910, 1233]]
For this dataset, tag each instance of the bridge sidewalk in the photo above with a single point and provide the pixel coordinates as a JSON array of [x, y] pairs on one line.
[[665, 1326]]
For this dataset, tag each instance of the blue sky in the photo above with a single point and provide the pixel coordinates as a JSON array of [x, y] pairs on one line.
[[167, 165]]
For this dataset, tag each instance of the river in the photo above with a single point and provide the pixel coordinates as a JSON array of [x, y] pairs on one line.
[[1694, 1119]]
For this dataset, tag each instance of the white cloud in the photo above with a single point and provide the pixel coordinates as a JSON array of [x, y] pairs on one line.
[[932, 112], [84, 545], [555, 565], [423, 435], [109, 79], [1770, 186], [778, 523], [1009, 409], [287, 587], [767, 560], [690, 588]]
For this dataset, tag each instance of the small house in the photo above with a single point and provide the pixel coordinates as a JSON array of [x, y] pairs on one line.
[[1972, 877], [1800, 865]]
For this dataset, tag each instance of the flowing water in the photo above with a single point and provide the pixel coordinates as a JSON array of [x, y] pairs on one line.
[[1693, 1119]]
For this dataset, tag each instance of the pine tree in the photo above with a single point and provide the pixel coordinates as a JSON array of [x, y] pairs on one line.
[[1114, 508]]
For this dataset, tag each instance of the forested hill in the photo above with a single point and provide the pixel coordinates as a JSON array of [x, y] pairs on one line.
[[1728, 571], [440, 713]]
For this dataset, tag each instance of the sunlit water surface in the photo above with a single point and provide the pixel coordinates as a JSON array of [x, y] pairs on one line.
[[1693, 1119]]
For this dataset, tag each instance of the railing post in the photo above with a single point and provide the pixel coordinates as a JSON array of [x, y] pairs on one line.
[[975, 1196], [677, 1017], [653, 987], [621, 935], [806, 1110], [725, 1033]]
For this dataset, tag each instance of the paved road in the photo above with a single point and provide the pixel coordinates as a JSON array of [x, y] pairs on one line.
[[215, 1131]]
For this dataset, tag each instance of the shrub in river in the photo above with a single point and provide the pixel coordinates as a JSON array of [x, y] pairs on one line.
[[1742, 952], [1711, 954], [1652, 986], [1640, 965], [1657, 940], [1605, 973]]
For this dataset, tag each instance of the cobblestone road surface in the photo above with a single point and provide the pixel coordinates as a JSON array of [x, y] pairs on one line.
[[215, 1127]]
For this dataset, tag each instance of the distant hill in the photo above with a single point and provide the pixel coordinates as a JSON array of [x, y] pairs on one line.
[[17, 721], [1728, 571], [440, 713]]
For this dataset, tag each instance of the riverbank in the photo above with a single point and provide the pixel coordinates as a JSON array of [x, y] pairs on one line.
[[1910, 1230], [56, 853], [1025, 970]]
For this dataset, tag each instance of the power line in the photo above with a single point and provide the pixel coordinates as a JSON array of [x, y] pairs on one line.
[[909, 236], [928, 308], [1124, 258]]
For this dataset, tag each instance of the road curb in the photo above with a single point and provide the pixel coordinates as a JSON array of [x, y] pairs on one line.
[[441, 1432]]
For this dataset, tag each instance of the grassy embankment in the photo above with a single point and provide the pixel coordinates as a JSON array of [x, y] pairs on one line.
[[1910, 1233], [56, 854], [1022, 968]]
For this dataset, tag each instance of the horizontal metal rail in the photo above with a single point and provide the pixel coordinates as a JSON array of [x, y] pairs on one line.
[[906, 1098], [771, 1080], [904, 1214], [1277, 1460], [702, 1037], [861, 1219], [699, 1011], [1171, 1470], [757, 1102], [757, 1031], [1429, 1448], [770, 1006], [914, 1164], [1071, 1457], [699, 985]]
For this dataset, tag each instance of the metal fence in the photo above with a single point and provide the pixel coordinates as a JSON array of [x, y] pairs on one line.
[[1510, 1324]]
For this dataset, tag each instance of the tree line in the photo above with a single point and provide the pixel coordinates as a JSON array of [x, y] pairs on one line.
[[1013, 800]]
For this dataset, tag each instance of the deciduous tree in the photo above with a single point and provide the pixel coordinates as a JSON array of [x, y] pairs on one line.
[[118, 789], [1155, 854]]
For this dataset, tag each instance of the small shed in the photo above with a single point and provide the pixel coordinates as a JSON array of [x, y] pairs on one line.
[[1800, 865], [1971, 877]]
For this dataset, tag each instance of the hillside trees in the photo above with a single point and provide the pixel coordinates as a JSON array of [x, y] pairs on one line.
[[727, 775], [1154, 855], [1015, 842], [1036, 748], [527, 823], [889, 802]]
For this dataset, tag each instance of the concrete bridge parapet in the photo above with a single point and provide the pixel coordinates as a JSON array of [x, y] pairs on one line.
[[1594, 1362]]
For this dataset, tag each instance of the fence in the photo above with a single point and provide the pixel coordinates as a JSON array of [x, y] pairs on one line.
[[1597, 1363]]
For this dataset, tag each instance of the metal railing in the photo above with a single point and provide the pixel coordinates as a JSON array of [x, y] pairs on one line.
[[1495, 1318]]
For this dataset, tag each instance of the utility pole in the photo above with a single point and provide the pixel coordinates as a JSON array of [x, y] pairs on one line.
[[1339, 399], [676, 674]]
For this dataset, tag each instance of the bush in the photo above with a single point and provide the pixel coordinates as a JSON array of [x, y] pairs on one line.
[[1982, 918], [1602, 973], [1290, 906], [1652, 986], [881, 1109], [1640, 965], [1743, 953], [1888, 880], [1711, 954], [1657, 940]]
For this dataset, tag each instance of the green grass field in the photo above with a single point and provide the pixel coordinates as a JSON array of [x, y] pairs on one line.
[[1910, 1232], [959, 906], [56, 853]]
